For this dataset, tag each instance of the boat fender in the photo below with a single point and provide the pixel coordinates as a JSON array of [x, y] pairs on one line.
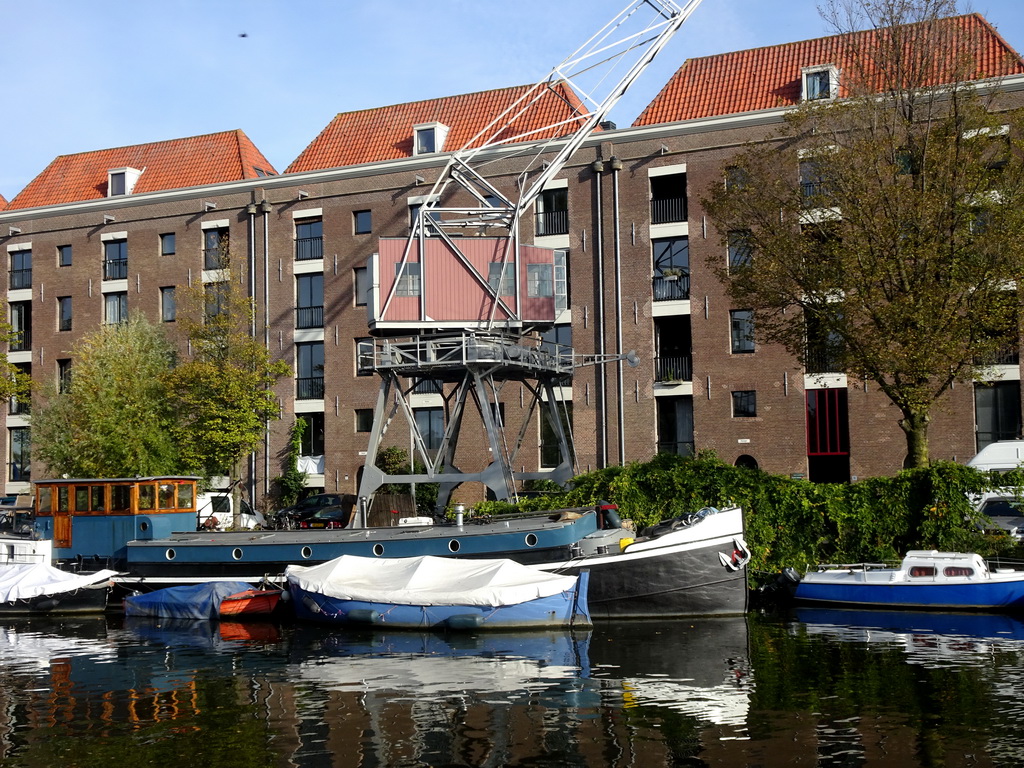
[[311, 605], [464, 621], [363, 616], [46, 605]]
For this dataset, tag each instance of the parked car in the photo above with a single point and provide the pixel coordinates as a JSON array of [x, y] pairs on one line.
[[291, 517], [215, 512], [327, 517], [1005, 511]]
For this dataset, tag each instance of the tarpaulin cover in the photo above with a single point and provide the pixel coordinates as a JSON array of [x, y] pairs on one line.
[[24, 580], [428, 581], [200, 601]]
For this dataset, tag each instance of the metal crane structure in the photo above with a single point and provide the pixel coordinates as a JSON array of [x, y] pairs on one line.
[[467, 224]]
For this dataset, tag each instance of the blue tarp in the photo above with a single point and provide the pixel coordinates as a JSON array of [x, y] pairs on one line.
[[201, 601]]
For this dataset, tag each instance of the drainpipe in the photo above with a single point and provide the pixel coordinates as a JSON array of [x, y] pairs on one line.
[[250, 211], [599, 381], [265, 209], [616, 166]]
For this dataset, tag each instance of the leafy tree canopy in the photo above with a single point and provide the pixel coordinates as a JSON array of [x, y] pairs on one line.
[[882, 234]]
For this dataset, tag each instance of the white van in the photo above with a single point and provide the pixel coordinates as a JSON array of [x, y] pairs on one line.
[[1001, 456], [215, 512]]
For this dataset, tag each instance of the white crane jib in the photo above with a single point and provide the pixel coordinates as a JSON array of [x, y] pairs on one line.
[[593, 78]]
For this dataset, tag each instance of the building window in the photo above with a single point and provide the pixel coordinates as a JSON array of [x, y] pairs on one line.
[[63, 375], [671, 262], [168, 244], [550, 451], [21, 326], [312, 435], [20, 455], [408, 278], [21, 269], [812, 180], [63, 313], [168, 305], [309, 370], [736, 177], [414, 212], [361, 285], [557, 339], [362, 222], [309, 239], [215, 248], [820, 83], [116, 183], [740, 250], [21, 406], [309, 300], [115, 259], [430, 424], [553, 212], [115, 307], [215, 299], [741, 331], [426, 141], [496, 271], [997, 413], [675, 425], [744, 404], [364, 357], [364, 419], [668, 198], [63, 255]]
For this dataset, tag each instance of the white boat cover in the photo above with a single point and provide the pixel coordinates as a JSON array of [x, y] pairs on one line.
[[24, 580], [428, 581]]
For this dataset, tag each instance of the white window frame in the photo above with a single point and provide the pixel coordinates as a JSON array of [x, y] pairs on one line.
[[809, 74]]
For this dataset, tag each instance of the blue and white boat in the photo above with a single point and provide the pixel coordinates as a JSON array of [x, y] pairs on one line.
[[948, 581], [437, 593]]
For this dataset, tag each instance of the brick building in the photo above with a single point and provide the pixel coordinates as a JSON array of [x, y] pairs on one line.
[[99, 234]]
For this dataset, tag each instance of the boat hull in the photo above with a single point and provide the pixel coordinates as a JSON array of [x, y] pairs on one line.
[[564, 610], [90, 599], [980, 596]]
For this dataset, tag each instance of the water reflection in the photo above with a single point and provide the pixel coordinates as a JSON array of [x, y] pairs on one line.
[[819, 688]]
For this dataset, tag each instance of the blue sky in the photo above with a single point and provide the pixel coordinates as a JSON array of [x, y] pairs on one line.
[[83, 75]]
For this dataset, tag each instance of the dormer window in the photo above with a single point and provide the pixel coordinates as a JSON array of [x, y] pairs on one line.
[[821, 82], [428, 138], [121, 181]]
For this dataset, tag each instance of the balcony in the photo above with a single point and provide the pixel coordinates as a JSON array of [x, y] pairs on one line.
[[553, 223], [668, 210], [677, 447], [311, 388], [309, 248], [822, 361], [671, 287], [673, 368], [1006, 356], [19, 406], [115, 269], [309, 317], [21, 278]]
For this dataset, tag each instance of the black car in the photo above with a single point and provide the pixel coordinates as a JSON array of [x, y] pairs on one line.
[[292, 517], [328, 517]]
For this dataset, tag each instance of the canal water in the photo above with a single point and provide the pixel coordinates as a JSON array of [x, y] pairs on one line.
[[814, 688]]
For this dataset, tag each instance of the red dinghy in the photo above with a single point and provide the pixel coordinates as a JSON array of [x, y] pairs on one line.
[[251, 602]]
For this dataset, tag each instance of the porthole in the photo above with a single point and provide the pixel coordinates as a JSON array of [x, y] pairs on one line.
[[306, 553], [453, 545], [169, 554], [236, 553], [378, 549], [531, 539], [143, 526]]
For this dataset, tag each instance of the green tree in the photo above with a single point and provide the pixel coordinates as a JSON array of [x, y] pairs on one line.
[[113, 418], [883, 232], [223, 393], [292, 481]]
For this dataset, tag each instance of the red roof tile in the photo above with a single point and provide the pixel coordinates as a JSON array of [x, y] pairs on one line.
[[3, 202], [173, 164], [385, 133], [766, 78]]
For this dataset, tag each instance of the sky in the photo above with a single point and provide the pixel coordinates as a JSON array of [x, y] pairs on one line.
[[83, 75]]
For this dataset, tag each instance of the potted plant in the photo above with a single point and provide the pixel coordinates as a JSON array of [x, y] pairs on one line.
[[671, 273]]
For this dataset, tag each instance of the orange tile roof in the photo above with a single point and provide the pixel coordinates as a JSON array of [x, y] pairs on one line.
[[173, 164], [770, 77], [3, 202], [385, 133]]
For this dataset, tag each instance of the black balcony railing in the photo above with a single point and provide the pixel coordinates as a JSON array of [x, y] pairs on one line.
[[21, 278], [427, 387], [667, 210], [214, 258], [307, 248], [811, 189], [309, 388], [309, 317], [671, 287], [21, 341], [673, 368], [822, 361], [19, 406], [678, 447], [115, 269], [553, 223], [1008, 356]]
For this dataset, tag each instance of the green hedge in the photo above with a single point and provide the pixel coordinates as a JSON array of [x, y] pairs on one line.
[[793, 522]]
